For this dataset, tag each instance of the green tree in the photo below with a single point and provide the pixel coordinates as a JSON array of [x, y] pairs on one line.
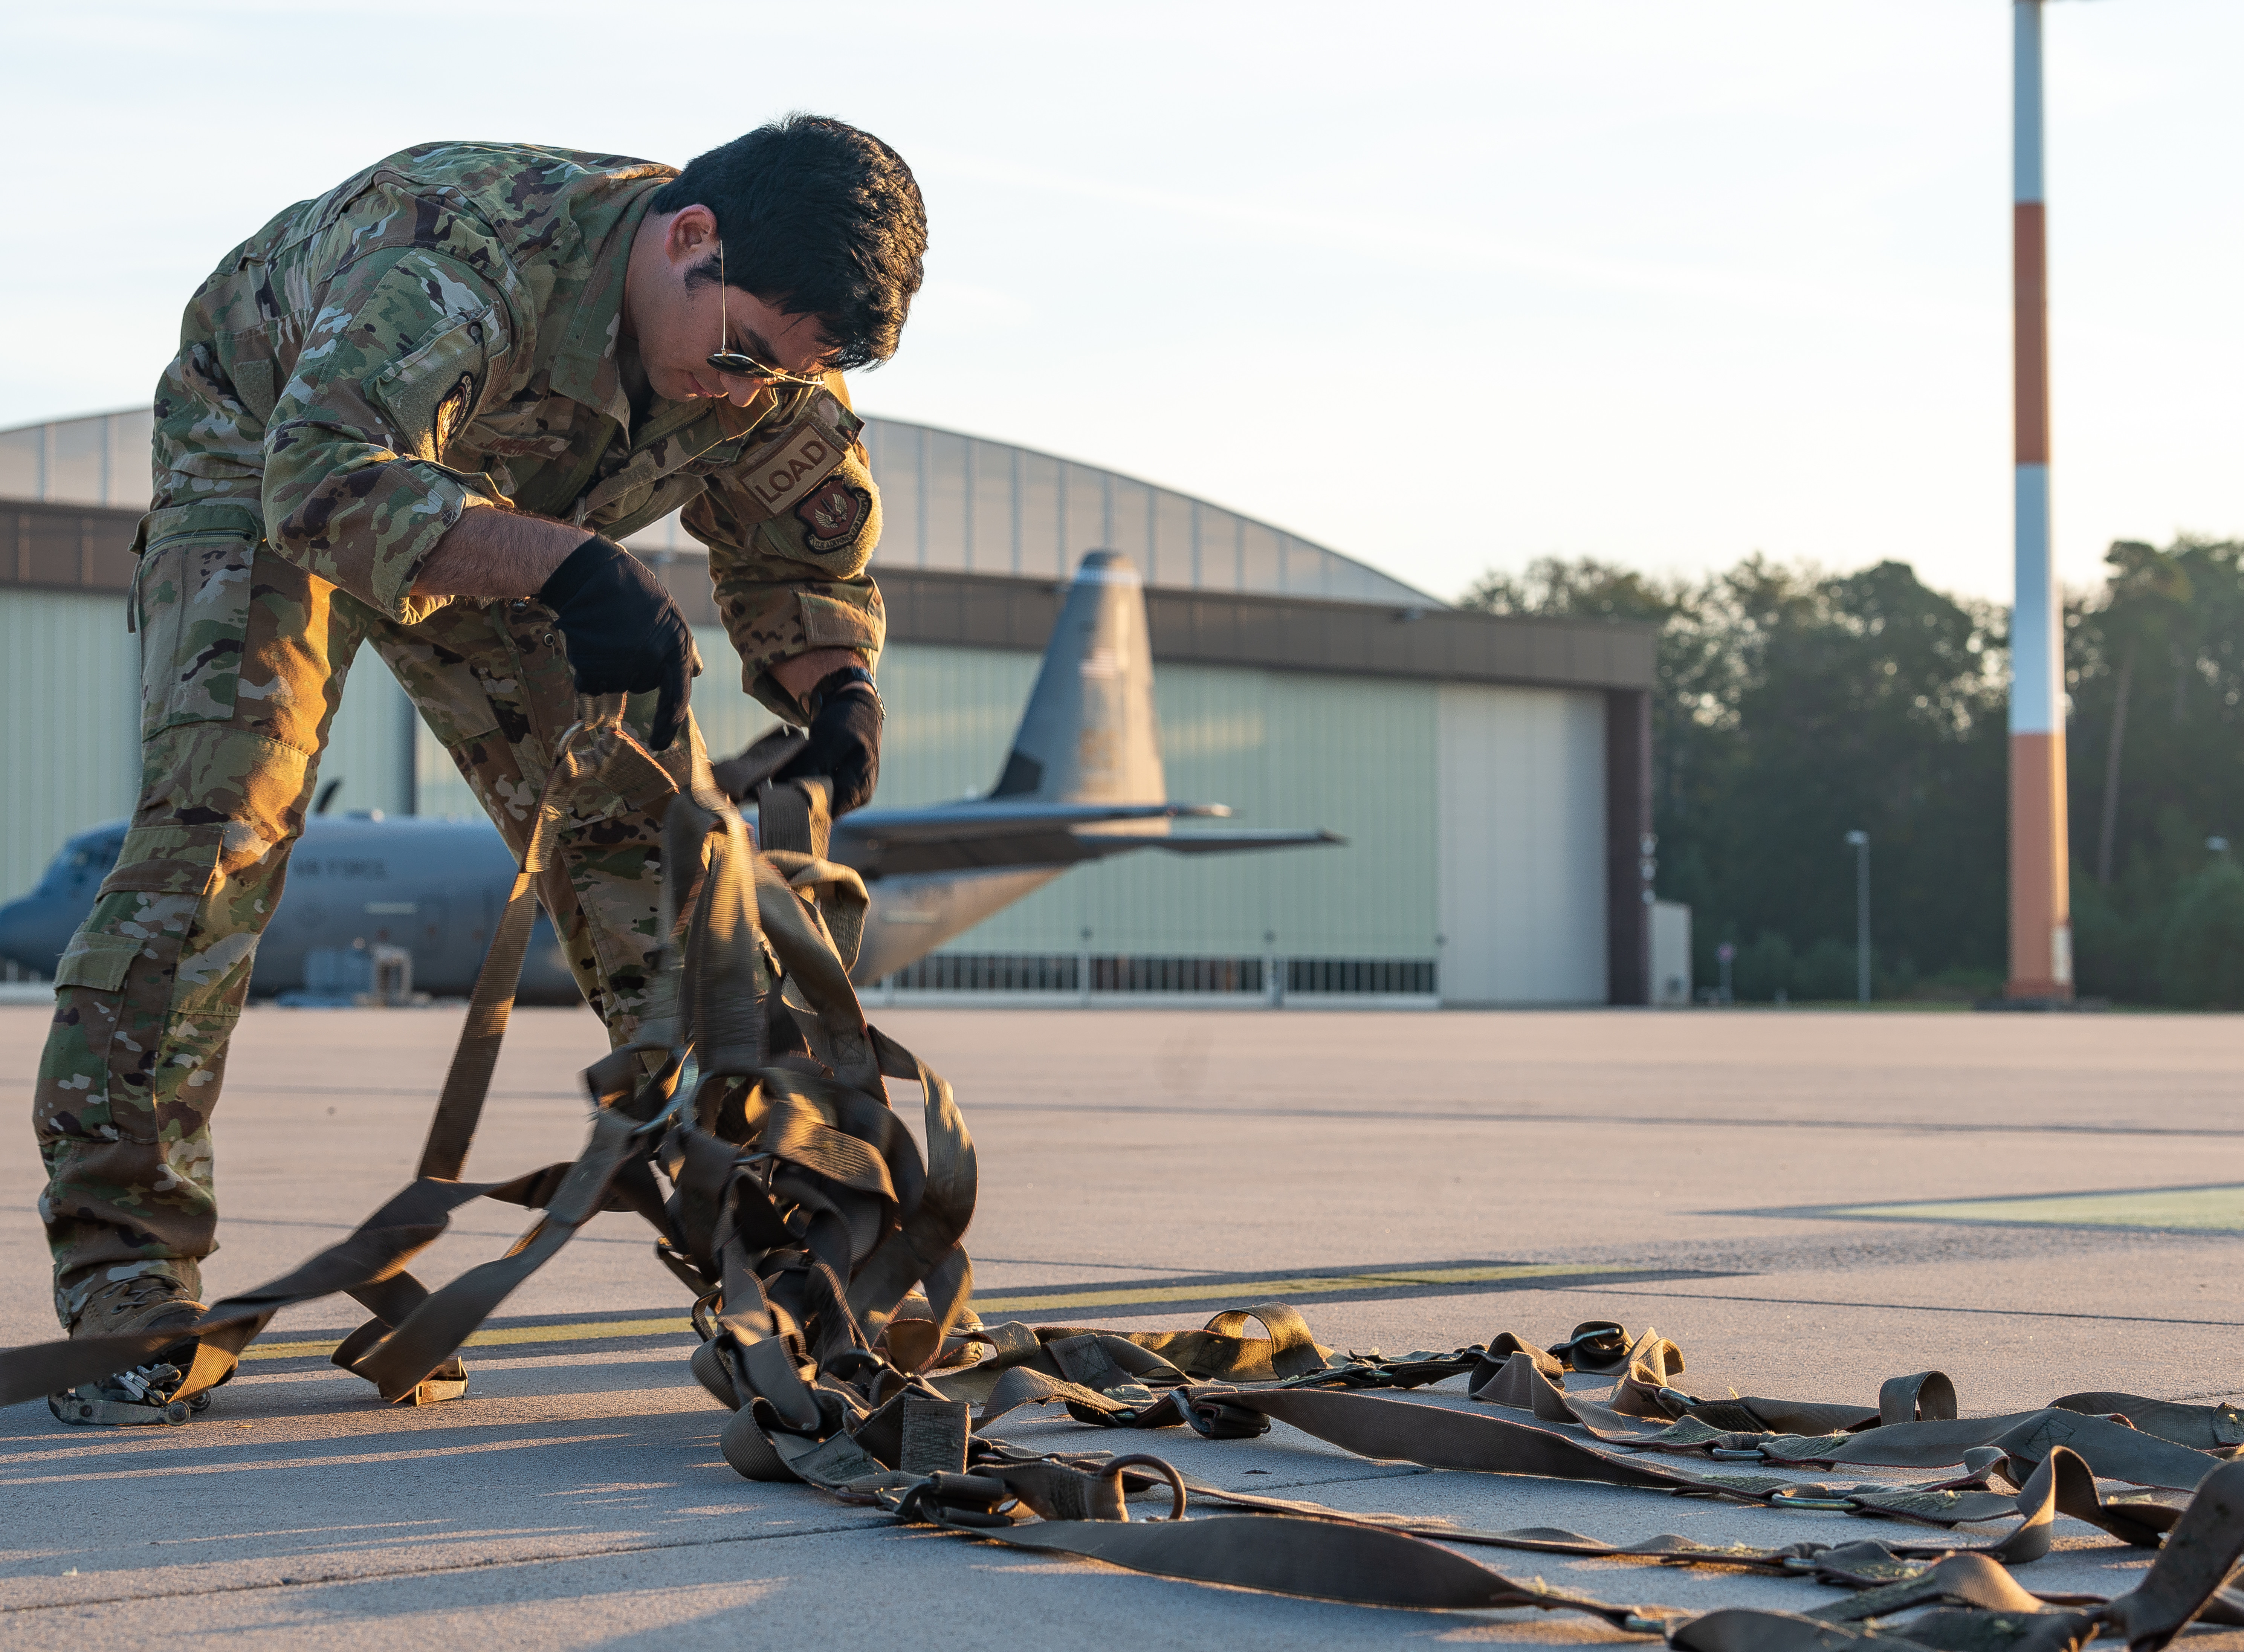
[[1794, 705], [2146, 612], [2154, 667]]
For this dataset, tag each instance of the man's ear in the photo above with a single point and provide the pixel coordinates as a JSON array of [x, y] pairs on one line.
[[691, 237]]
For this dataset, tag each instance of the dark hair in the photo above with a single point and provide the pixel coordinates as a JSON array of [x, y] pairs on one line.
[[818, 217]]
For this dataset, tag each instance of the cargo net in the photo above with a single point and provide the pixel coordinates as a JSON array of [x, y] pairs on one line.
[[749, 1123]]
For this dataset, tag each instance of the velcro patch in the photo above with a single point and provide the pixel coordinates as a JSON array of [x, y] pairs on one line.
[[800, 464], [934, 1436], [833, 515], [828, 624], [1083, 1361]]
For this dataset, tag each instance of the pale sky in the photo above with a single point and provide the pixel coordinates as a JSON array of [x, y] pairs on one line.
[[1445, 287]]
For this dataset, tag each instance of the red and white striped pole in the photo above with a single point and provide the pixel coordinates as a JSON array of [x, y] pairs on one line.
[[2041, 900]]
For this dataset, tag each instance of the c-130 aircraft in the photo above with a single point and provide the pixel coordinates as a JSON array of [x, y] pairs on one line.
[[1083, 781]]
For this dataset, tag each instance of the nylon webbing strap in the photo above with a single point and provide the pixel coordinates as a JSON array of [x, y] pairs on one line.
[[853, 1184], [823, 1249], [459, 1108]]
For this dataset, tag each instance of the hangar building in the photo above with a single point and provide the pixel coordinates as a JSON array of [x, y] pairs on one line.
[[1491, 776]]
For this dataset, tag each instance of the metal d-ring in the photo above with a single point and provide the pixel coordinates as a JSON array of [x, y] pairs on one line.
[[1113, 1470], [595, 713], [601, 711], [1781, 1496]]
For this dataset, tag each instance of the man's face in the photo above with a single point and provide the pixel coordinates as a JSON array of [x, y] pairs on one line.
[[678, 328]]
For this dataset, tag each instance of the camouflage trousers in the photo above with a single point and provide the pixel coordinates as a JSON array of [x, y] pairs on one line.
[[243, 659]]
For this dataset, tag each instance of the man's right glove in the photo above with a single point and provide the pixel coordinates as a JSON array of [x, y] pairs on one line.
[[846, 714], [624, 634]]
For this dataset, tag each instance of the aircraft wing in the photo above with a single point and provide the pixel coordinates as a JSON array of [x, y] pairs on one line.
[[983, 837], [1240, 837], [996, 818]]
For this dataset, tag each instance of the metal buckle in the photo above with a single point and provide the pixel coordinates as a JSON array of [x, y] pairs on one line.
[[1782, 1497]]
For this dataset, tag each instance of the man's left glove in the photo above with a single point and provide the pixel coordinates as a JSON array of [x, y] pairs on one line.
[[846, 714], [624, 634]]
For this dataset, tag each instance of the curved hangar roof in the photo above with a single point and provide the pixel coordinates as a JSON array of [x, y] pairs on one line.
[[950, 503]]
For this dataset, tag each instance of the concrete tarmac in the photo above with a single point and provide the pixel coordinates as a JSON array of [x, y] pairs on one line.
[[1407, 1180]]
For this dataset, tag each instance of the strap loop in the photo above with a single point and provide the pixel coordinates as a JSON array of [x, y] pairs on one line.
[[1115, 1470]]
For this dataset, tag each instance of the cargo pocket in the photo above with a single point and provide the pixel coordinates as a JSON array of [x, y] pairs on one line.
[[191, 605], [448, 664], [97, 961], [195, 927]]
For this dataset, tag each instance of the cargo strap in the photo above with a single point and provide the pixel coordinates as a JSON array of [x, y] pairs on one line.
[[1073, 1505], [797, 1207], [749, 1123]]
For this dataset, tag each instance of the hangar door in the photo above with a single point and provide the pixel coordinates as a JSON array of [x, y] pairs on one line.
[[1521, 845]]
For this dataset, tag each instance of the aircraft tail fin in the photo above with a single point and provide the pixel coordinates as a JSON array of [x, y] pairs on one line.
[[1089, 733]]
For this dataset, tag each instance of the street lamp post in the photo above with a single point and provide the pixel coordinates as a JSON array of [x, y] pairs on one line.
[[1861, 843]]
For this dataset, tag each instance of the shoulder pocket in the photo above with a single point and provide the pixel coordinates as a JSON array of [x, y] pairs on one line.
[[98, 961], [431, 394]]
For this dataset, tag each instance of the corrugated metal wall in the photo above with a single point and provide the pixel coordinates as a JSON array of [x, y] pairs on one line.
[[100, 459], [951, 714], [373, 747], [966, 504], [1354, 754], [73, 760], [960, 503], [1474, 815], [67, 761], [1522, 851], [1283, 749]]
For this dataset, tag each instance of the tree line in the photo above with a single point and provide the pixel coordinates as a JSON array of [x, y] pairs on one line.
[[1794, 705]]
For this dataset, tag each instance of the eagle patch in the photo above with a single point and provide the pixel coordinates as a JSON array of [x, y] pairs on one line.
[[834, 514]]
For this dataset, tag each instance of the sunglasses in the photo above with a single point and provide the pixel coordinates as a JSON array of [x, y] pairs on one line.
[[790, 387]]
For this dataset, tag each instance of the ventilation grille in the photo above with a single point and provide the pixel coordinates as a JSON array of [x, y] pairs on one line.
[[1383, 977], [1062, 972]]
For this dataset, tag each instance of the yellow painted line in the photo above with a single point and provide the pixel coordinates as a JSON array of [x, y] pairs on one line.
[[1254, 1291], [2212, 1209], [589, 1331], [1278, 1290]]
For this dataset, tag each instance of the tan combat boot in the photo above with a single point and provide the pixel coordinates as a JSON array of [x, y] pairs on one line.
[[173, 1385]]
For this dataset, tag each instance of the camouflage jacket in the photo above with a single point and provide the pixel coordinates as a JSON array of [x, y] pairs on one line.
[[440, 333]]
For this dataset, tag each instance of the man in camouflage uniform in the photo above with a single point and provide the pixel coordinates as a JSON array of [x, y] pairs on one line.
[[414, 413]]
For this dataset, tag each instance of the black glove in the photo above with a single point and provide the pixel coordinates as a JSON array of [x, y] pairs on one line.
[[845, 737], [623, 633]]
